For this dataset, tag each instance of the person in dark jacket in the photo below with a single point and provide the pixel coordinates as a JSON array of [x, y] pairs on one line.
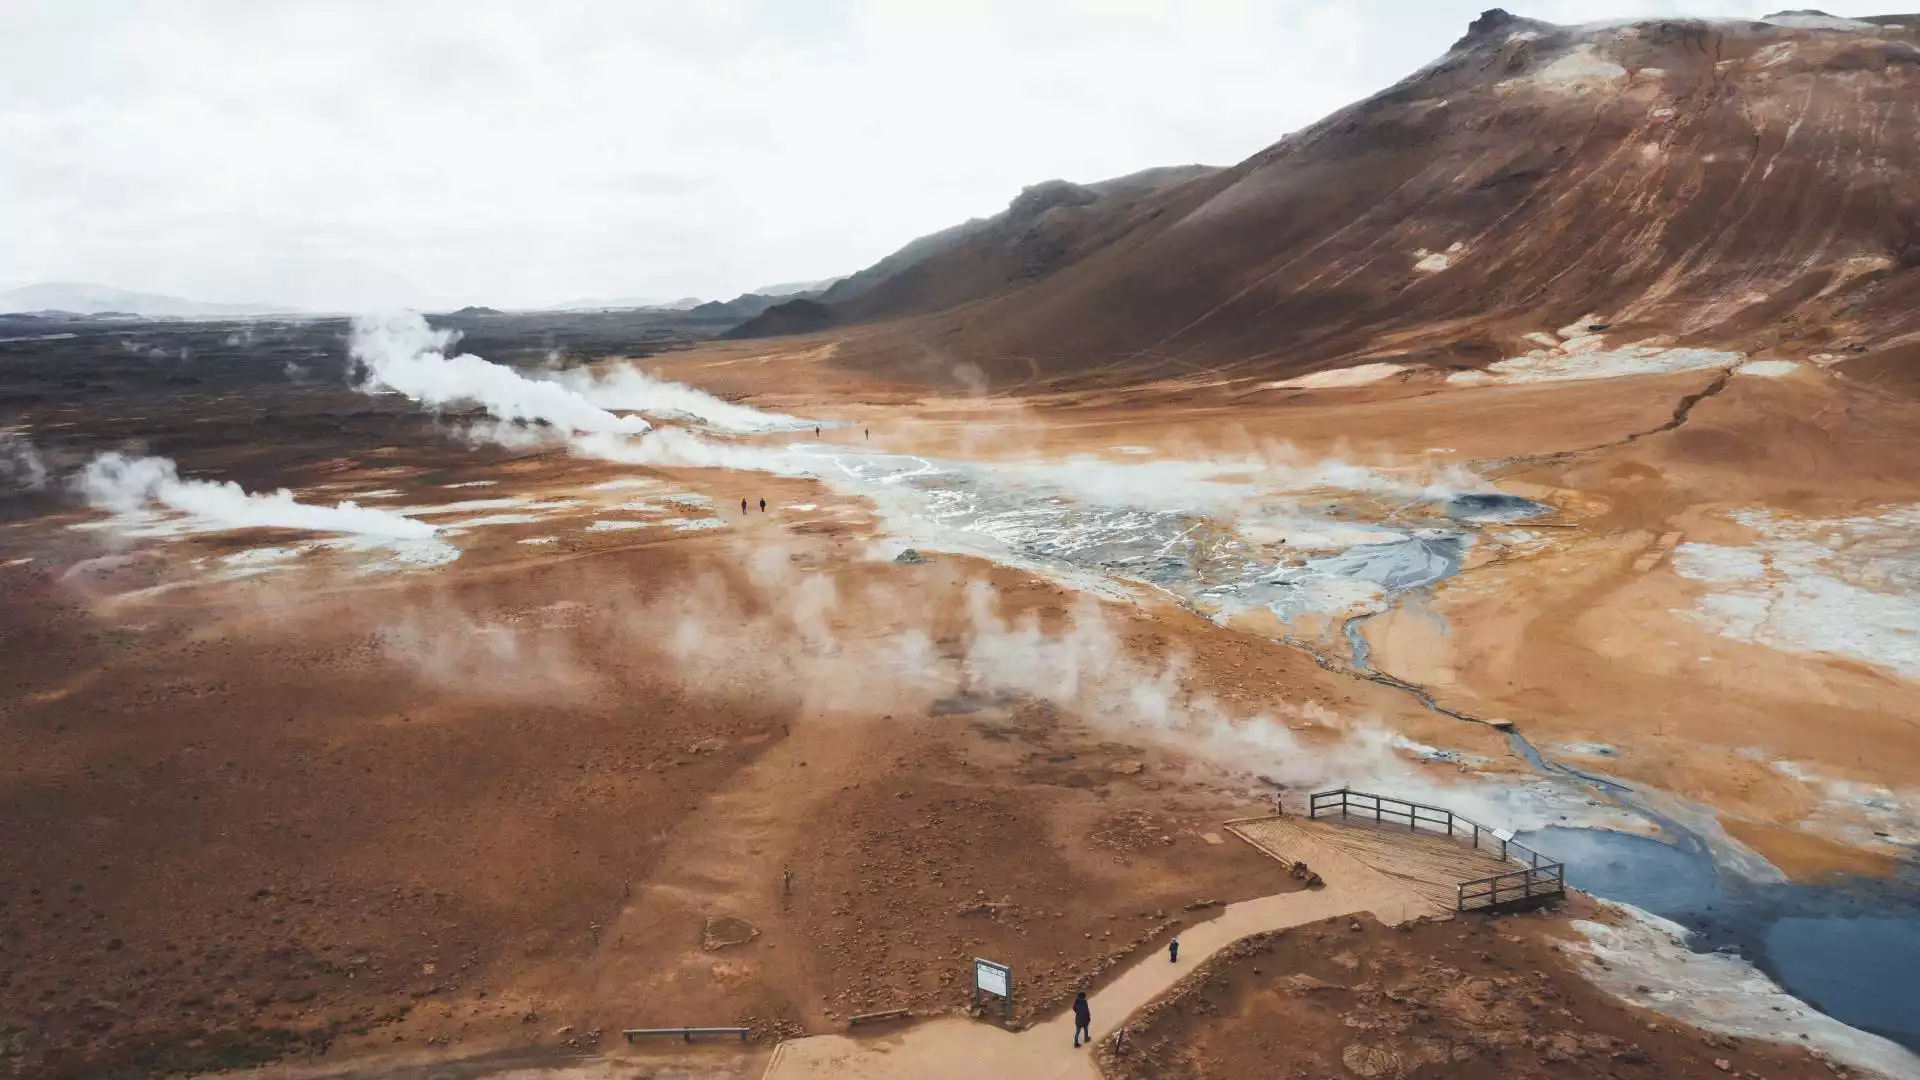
[[743, 506], [1173, 951], [763, 506], [1082, 1019]]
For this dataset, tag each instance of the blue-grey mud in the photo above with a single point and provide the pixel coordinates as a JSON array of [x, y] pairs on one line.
[[1849, 946]]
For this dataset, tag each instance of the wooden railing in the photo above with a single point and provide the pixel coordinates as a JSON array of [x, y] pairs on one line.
[[1538, 878], [686, 1033], [1526, 886]]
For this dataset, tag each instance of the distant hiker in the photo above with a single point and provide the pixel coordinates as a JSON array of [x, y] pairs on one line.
[[743, 506], [1279, 807], [763, 506], [816, 431], [1173, 951], [1082, 1019], [868, 432]]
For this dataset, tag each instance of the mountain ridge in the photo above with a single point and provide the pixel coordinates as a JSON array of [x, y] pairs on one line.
[[1726, 182]]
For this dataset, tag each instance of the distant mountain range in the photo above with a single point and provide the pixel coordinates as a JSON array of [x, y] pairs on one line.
[[797, 288], [745, 305], [628, 303], [86, 298]]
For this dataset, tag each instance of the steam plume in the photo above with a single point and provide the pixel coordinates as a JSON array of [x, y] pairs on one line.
[[401, 352], [127, 485], [625, 388]]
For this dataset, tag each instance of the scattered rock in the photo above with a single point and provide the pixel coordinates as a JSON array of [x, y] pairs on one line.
[[910, 556], [1369, 1061], [1303, 983], [722, 931]]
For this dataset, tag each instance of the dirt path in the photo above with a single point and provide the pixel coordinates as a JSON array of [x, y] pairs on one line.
[[957, 1048]]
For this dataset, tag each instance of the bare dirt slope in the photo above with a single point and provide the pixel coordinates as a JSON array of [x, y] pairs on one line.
[[548, 790], [1468, 998], [232, 834], [1741, 183]]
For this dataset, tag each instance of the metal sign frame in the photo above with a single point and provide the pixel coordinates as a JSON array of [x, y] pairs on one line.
[[985, 974]]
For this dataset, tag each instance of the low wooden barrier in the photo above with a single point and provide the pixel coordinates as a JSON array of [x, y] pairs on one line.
[[1537, 880], [686, 1033]]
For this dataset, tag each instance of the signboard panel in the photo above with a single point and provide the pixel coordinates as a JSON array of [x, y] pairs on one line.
[[1502, 835], [991, 977]]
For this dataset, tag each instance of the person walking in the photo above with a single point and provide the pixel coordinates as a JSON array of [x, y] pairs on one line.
[[1173, 951], [1082, 1020], [763, 506], [868, 432], [743, 506]]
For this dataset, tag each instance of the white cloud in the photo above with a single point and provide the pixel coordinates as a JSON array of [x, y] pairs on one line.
[[362, 153]]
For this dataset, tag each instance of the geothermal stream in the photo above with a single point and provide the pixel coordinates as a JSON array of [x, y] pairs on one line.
[[1847, 949]]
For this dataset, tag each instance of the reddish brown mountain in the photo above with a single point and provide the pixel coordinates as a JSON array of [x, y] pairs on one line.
[[1744, 184]]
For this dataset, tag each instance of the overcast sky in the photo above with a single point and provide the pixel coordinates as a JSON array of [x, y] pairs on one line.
[[348, 155]]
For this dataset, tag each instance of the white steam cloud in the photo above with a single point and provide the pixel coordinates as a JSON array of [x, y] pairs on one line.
[[401, 352], [131, 485], [626, 388], [873, 647]]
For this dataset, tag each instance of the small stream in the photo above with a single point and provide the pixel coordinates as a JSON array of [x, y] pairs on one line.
[[1850, 947]]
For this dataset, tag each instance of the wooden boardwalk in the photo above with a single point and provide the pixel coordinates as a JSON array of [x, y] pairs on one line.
[[1430, 865]]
